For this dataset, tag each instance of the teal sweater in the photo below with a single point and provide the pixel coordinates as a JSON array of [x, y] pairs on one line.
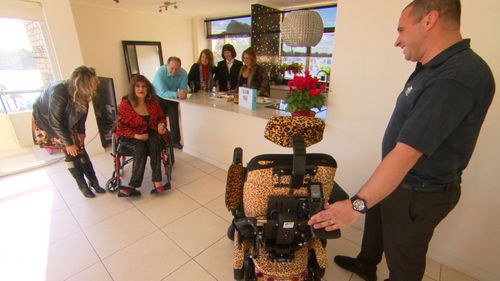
[[166, 85]]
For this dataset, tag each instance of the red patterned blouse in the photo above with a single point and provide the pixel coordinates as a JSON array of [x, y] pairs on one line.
[[131, 123]]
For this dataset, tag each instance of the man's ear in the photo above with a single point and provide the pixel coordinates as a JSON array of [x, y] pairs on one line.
[[430, 20]]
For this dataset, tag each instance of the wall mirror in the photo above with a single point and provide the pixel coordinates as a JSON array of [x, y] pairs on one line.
[[142, 57]]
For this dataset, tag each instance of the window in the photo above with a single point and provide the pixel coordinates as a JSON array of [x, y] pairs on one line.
[[25, 67], [317, 59], [235, 31], [239, 44]]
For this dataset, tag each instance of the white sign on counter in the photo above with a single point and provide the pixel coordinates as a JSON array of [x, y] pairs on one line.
[[247, 98]]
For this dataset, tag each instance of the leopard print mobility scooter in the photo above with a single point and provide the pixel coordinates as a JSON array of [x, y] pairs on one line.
[[273, 198]]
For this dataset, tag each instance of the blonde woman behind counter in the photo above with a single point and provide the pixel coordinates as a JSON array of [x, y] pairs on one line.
[[253, 75]]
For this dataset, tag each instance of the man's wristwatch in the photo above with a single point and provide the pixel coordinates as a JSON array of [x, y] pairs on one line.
[[359, 204]]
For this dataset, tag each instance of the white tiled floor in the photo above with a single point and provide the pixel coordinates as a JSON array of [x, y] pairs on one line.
[[51, 232]]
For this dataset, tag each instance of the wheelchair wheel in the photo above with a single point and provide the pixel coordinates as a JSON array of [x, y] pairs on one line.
[[114, 144], [248, 269], [238, 274], [169, 148], [315, 272], [112, 185], [168, 161], [167, 165]]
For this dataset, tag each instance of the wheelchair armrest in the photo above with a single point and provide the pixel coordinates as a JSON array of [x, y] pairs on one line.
[[338, 194]]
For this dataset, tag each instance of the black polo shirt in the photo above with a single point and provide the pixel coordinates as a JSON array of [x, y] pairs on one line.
[[440, 112]]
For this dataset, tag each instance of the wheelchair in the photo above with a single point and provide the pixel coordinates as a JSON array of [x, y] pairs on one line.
[[271, 201], [122, 155]]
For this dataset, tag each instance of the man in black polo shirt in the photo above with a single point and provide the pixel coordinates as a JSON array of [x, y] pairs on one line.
[[427, 144]]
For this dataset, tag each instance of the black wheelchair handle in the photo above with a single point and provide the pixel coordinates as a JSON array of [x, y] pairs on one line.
[[238, 156]]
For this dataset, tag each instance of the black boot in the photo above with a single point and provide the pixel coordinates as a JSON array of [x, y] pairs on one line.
[[80, 181], [89, 172]]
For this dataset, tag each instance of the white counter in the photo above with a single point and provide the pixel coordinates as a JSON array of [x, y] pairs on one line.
[[212, 128]]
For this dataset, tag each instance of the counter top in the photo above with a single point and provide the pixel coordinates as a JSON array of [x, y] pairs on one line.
[[262, 111]]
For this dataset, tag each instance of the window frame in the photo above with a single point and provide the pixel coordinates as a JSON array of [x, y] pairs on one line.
[[210, 35], [308, 54]]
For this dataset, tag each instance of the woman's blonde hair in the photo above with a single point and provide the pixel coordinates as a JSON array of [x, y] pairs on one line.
[[250, 51], [80, 86]]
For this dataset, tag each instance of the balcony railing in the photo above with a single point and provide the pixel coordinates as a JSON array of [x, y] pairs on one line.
[[13, 101]]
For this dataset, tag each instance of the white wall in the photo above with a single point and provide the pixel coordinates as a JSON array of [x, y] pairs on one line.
[[101, 32], [368, 74], [9, 139], [200, 41], [21, 123]]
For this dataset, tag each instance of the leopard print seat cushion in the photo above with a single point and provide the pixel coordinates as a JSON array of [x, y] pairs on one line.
[[281, 129]]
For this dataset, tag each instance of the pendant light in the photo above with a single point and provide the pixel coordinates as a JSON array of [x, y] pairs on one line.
[[302, 28]]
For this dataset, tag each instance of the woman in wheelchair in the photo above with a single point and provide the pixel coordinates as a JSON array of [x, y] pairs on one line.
[[140, 124]]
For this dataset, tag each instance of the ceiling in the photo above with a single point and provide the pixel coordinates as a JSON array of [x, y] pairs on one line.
[[199, 8]]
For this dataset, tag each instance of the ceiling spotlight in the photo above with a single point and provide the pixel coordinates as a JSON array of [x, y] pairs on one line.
[[165, 5]]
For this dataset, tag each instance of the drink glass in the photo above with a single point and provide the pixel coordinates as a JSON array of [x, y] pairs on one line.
[[191, 86], [204, 86], [236, 97]]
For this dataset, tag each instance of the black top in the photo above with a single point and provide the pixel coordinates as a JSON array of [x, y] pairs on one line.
[[222, 76], [145, 118], [257, 79], [55, 113], [195, 76], [440, 112], [242, 81]]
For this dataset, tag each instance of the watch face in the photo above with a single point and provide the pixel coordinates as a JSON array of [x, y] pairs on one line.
[[358, 205]]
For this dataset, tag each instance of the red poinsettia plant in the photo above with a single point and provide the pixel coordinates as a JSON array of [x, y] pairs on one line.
[[305, 93]]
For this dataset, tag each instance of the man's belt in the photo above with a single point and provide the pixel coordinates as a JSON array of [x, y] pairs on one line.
[[426, 187]]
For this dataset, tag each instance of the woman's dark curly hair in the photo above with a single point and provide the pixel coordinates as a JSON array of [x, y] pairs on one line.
[[132, 97]]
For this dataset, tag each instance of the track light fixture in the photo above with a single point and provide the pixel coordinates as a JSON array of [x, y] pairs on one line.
[[165, 5]]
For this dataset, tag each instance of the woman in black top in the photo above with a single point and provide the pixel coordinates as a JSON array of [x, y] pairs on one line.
[[59, 116], [201, 74], [253, 75], [228, 69]]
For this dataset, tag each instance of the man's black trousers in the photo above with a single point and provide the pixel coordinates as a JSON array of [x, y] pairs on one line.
[[402, 226], [171, 109]]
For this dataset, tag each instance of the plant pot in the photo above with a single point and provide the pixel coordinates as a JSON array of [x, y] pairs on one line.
[[304, 112]]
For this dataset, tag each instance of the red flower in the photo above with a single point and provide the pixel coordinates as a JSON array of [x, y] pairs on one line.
[[314, 92]]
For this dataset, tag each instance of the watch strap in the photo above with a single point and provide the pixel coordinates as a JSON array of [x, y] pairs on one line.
[[359, 204]]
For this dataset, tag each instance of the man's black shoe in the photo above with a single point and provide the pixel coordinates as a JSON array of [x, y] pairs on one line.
[[367, 273], [177, 145]]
